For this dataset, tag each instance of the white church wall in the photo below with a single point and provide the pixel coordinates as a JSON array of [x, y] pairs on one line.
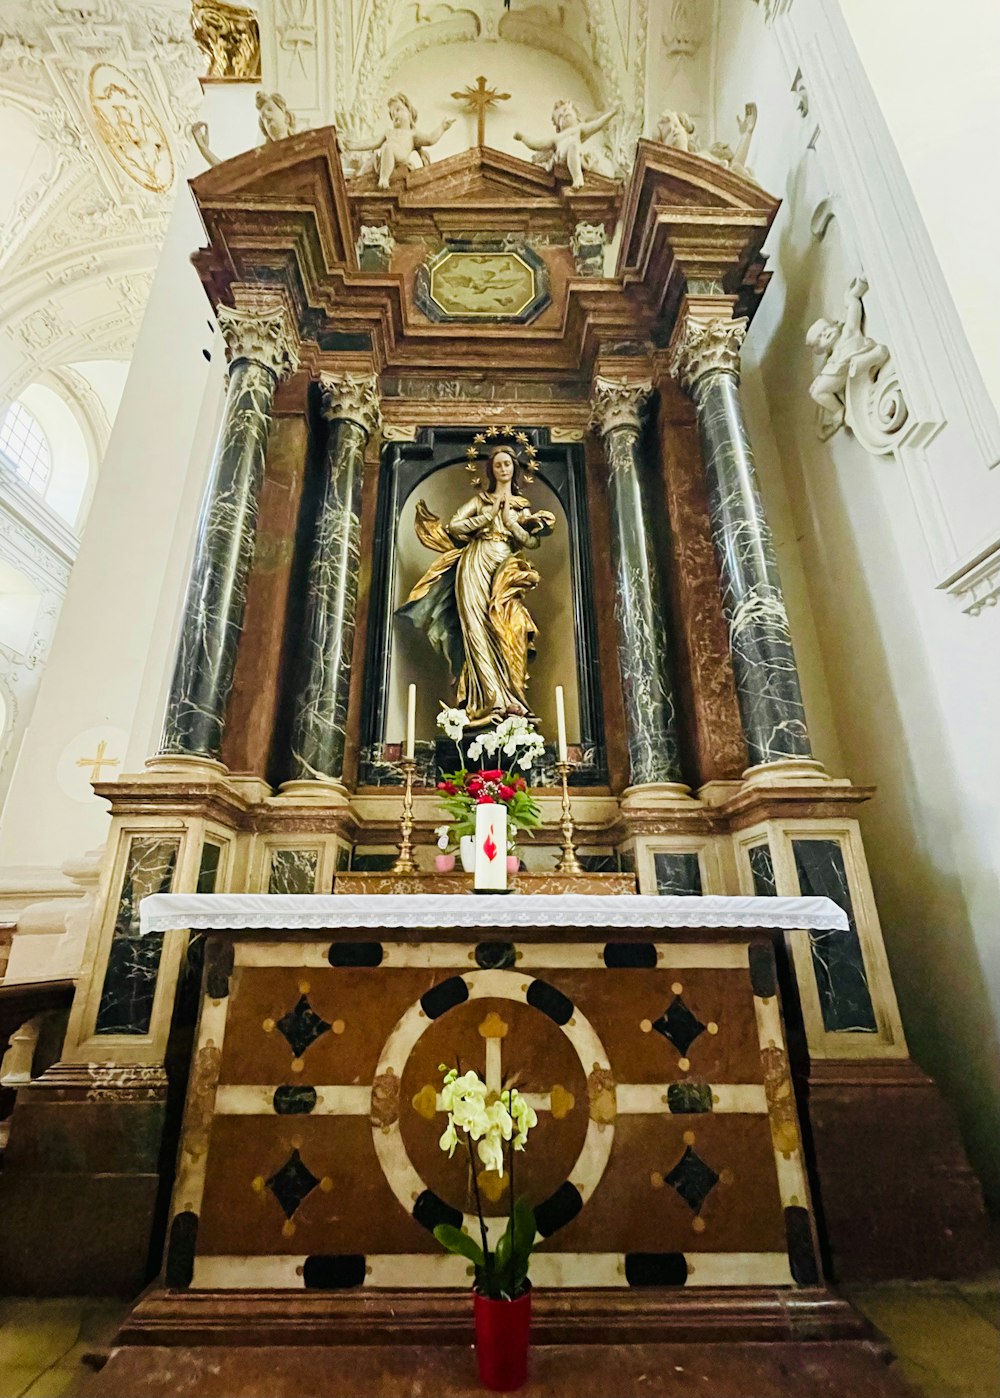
[[908, 673], [931, 80], [115, 639]]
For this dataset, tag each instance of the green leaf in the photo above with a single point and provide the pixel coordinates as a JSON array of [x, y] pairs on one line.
[[458, 1242], [502, 1252]]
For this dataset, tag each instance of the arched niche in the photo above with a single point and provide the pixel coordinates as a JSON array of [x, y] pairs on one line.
[[433, 470]]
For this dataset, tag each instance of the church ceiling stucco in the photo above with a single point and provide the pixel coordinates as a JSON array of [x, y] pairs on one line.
[[100, 94]]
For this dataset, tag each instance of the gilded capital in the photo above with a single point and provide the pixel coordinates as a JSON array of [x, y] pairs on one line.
[[263, 336], [230, 38], [354, 397], [618, 403], [705, 347]]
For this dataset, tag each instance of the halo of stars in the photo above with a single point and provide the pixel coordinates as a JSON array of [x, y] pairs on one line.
[[521, 443]]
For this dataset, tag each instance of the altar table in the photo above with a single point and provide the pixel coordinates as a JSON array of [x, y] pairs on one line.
[[645, 1031]]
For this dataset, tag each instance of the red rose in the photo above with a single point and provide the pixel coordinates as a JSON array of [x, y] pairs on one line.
[[485, 800], [449, 787], [473, 785], [493, 775], [506, 793]]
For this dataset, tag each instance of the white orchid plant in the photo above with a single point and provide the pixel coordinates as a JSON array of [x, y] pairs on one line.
[[498, 1122], [514, 738]]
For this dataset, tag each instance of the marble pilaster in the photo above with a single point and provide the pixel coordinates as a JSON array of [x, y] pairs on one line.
[[260, 346], [706, 359], [351, 406], [643, 646]]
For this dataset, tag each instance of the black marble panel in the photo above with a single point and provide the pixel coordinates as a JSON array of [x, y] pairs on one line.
[[134, 961], [216, 598], [320, 715], [762, 869], [844, 996], [293, 871], [208, 868], [760, 642], [643, 646], [677, 872]]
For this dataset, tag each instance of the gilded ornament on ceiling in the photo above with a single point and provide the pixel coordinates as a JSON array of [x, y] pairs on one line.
[[229, 35], [129, 127]]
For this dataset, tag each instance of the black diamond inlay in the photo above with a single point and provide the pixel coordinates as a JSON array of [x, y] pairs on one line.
[[292, 1183], [302, 1026], [679, 1025], [693, 1179]]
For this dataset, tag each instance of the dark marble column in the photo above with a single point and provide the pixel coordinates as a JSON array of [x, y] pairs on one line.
[[260, 346], [706, 359], [643, 647], [324, 676]]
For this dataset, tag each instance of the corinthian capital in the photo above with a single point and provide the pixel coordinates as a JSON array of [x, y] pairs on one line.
[[618, 403], [263, 336], [702, 348], [354, 397]]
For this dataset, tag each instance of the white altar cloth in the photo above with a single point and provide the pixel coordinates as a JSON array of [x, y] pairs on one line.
[[164, 912]]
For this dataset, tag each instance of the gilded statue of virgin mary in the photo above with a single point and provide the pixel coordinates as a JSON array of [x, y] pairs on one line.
[[470, 601]]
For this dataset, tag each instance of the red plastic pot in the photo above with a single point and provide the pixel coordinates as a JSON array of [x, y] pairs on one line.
[[502, 1330]]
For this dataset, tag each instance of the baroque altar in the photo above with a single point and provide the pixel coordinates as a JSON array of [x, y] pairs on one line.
[[374, 336]]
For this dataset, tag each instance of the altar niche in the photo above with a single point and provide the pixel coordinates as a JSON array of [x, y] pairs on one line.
[[433, 469]]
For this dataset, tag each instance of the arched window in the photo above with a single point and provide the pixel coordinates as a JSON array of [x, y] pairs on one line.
[[23, 448]]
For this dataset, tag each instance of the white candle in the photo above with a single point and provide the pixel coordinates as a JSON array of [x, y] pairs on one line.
[[411, 719], [561, 723]]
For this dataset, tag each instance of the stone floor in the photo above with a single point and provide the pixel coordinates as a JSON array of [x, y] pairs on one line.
[[947, 1337]]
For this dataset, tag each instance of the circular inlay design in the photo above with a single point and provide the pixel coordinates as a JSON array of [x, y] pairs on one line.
[[506, 1028]]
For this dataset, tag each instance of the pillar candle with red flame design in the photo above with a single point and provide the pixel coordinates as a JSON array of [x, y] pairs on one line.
[[491, 848]]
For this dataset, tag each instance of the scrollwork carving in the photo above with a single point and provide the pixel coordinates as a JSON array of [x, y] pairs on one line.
[[230, 37], [857, 386]]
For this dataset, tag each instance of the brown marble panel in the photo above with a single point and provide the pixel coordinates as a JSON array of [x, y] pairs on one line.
[[606, 885], [706, 688], [634, 1209], [262, 658], [352, 1209], [362, 1006], [619, 1005]]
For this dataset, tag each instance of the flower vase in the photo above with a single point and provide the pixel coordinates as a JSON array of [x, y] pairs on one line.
[[467, 853], [490, 874], [502, 1331]]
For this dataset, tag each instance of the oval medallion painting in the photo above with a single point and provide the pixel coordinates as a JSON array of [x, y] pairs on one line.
[[130, 128]]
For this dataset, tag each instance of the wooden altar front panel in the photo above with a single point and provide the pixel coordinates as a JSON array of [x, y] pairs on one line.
[[667, 1150]]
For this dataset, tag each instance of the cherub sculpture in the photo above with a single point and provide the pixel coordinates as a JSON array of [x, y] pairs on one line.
[[676, 129], [565, 148], [274, 119], [402, 142], [847, 353]]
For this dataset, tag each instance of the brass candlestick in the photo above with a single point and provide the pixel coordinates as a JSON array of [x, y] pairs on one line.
[[568, 862], [404, 864]]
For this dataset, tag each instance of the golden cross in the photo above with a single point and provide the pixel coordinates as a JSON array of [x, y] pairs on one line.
[[480, 99], [98, 761]]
